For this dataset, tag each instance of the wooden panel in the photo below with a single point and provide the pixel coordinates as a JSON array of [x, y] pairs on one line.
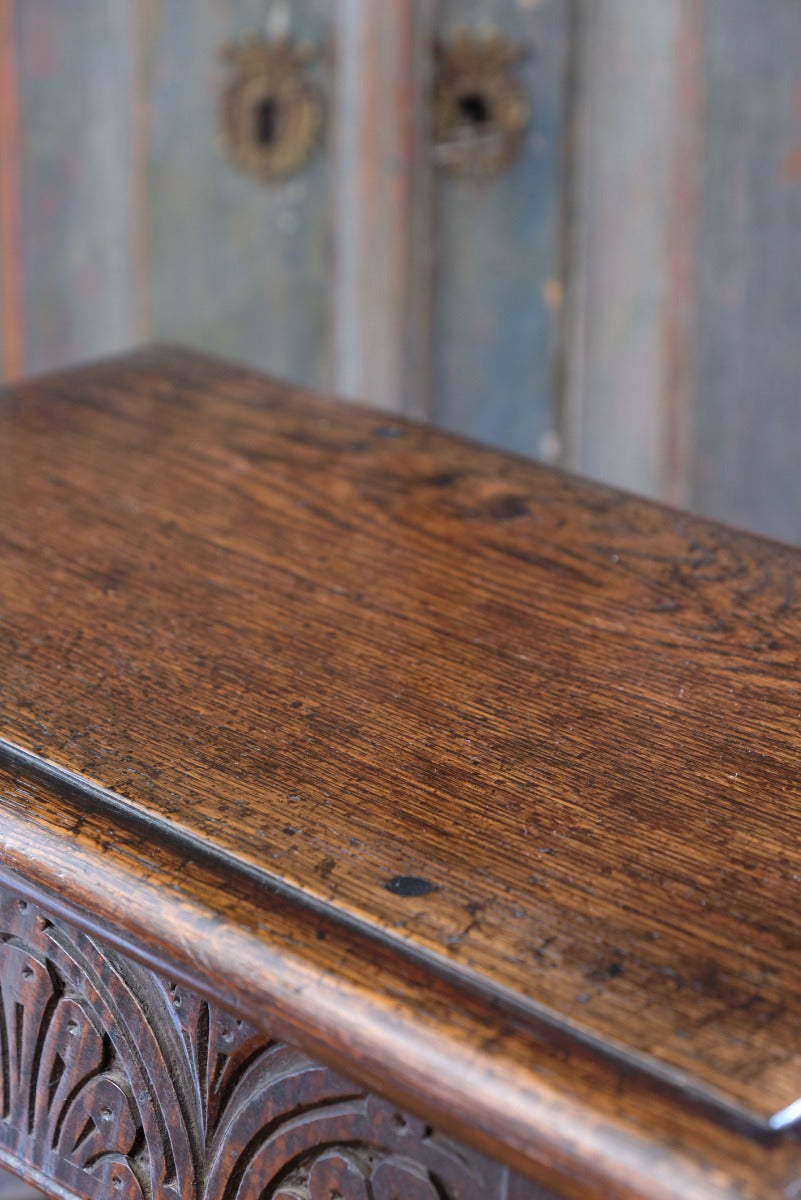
[[11, 333], [381, 765], [330, 564], [748, 422], [498, 285], [685, 295], [74, 60], [383, 202], [234, 265], [623, 174]]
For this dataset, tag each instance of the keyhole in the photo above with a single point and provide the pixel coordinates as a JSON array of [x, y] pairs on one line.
[[267, 121], [473, 108]]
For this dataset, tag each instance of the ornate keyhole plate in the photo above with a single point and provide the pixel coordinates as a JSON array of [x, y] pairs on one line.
[[271, 116], [481, 112]]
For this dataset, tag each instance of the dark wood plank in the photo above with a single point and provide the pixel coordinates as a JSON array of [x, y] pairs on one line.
[[478, 774]]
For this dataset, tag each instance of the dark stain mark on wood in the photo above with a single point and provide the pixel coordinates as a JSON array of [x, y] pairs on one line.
[[410, 885]]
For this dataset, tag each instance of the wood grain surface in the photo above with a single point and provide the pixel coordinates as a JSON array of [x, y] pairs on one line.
[[480, 776]]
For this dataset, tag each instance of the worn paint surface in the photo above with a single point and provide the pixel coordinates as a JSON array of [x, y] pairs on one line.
[[382, 286], [622, 220], [381, 770], [234, 265], [497, 292], [11, 350], [375, 273], [748, 419], [74, 64], [684, 354]]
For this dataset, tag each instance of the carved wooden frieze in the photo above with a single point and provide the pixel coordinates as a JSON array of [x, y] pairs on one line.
[[118, 1084]]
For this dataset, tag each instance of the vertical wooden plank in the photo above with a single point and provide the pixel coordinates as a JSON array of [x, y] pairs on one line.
[[498, 284], [11, 331], [619, 415], [748, 419], [74, 66], [681, 307], [236, 266], [383, 202], [140, 140]]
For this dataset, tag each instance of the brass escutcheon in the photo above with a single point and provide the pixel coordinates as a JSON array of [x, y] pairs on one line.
[[271, 116], [481, 111]]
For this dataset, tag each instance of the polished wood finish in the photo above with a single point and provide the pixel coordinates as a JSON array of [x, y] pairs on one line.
[[475, 780]]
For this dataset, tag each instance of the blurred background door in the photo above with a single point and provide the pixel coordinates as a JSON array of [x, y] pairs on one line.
[[568, 227]]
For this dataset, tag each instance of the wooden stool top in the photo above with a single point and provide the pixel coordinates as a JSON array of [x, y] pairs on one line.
[[482, 779]]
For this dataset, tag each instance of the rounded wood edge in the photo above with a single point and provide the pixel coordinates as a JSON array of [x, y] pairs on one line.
[[566, 1122]]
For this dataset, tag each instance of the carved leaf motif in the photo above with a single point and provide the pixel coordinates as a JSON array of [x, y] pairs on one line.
[[60, 1099], [119, 1084], [343, 1173]]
